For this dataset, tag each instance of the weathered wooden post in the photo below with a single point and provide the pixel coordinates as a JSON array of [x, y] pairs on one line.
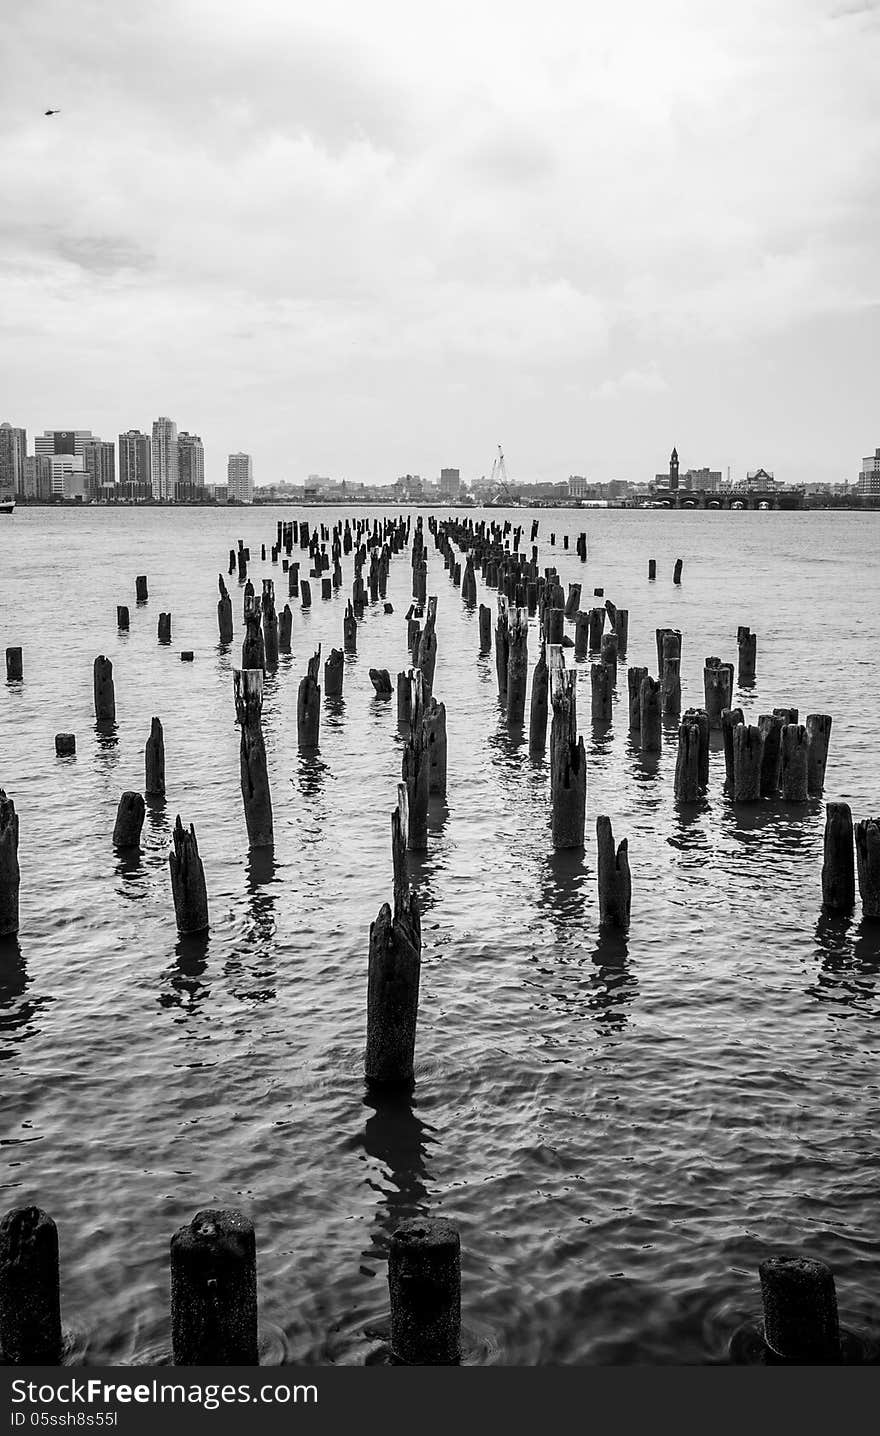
[[247, 595], [609, 651], [164, 628], [188, 881], [129, 821], [595, 624], [308, 704], [517, 666], [572, 603], [415, 771], [285, 629], [349, 630], [650, 718], [676, 572], [214, 1291], [652, 568], [30, 1289], [748, 751], [154, 761], [123, 620], [819, 729], [746, 648], [670, 676], [730, 717], [661, 635], [381, 681], [868, 860], [621, 629], [334, 670], [404, 698], [10, 876], [305, 593], [581, 634], [248, 690], [293, 580], [795, 752], [424, 1283], [270, 624], [634, 679], [502, 647], [615, 884], [435, 742], [394, 970], [485, 628], [538, 707], [718, 689], [140, 588], [224, 614], [105, 693], [601, 689], [800, 1310], [568, 761], [771, 726], [688, 782], [838, 866], [427, 655], [65, 745]]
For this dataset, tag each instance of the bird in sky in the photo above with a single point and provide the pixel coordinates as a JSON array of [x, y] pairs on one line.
[[51, 112]]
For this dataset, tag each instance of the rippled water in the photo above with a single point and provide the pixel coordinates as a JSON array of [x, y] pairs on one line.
[[622, 1132]]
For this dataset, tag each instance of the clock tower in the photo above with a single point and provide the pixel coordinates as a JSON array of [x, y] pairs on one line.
[[673, 470]]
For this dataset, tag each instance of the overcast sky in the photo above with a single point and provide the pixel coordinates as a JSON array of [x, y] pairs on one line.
[[369, 237]]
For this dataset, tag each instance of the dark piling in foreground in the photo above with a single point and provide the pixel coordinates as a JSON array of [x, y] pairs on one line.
[[868, 858], [819, 729], [308, 704], [334, 670], [748, 753], [485, 622], [30, 1289], [800, 1310], [188, 881], [248, 690], [214, 1291], [650, 716], [104, 690], [130, 816], [615, 884], [539, 704], [224, 614], [568, 761], [394, 970], [634, 680], [10, 875], [517, 666], [838, 866], [746, 652], [424, 1282], [794, 767], [154, 760]]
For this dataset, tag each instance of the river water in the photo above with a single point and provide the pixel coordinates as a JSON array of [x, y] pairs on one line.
[[621, 1131]]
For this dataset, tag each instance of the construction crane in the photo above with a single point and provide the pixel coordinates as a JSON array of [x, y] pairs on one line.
[[499, 477]]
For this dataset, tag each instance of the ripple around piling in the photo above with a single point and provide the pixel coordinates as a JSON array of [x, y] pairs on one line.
[[621, 1128]]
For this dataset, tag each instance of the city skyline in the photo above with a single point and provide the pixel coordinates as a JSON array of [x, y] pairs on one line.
[[652, 222]]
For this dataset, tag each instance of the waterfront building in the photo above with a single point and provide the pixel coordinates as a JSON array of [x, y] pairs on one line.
[[135, 466], [577, 486], [190, 468], [240, 478], [164, 459], [450, 483], [869, 476], [708, 480], [38, 477], [62, 441], [13, 453], [99, 460]]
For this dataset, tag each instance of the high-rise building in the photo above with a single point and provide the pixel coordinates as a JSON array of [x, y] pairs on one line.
[[135, 466], [190, 468], [13, 453], [38, 477], [99, 458], [61, 441], [708, 480], [450, 483], [240, 476], [869, 477], [164, 468], [68, 476]]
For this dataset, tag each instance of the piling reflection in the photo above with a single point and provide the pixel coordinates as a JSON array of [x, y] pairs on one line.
[[614, 985], [183, 987], [396, 1139], [311, 770], [261, 870], [16, 1012], [563, 891], [131, 873]]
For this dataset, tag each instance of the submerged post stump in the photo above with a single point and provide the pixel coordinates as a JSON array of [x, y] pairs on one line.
[[748, 752], [349, 630], [30, 1289], [123, 619], [224, 614], [800, 1310], [746, 648], [65, 745], [188, 881], [615, 884], [634, 679], [838, 866], [394, 970], [129, 821], [105, 694], [214, 1291], [539, 704], [140, 588], [14, 666], [485, 622], [868, 858], [248, 690], [601, 689], [381, 681], [308, 704], [819, 729], [154, 760], [10, 875], [334, 670], [652, 568], [517, 666], [650, 719], [424, 1282], [795, 755]]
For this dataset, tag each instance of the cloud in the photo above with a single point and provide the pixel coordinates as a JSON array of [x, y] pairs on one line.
[[633, 382]]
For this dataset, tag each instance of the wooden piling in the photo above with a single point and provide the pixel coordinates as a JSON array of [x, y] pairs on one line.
[[224, 614], [123, 618], [748, 751], [154, 761], [676, 572], [334, 670], [688, 784], [10, 875], [609, 651], [485, 622], [718, 689], [615, 884], [652, 568], [838, 865], [404, 698], [104, 691], [517, 666], [595, 624], [164, 628], [424, 1283], [819, 729], [65, 745], [381, 681], [214, 1291], [795, 753], [285, 629], [248, 690], [771, 726], [435, 741], [415, 771], [308, 704], [730, 718], [349, 630], [800, 1310], [568, 762], [634, 677], [650, 718], [394, 970], [140, 588], [539, 705], [502, 646], [601, 689], [427, 654], [305, 593], [867, 835], [129, 821], [662, 634], [30, 1289], [270, 625], [746, 647], [188, 881]]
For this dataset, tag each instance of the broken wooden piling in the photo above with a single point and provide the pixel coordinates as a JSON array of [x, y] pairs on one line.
[[601, 691], [634, 679], [154, 761], [394, 970], [615, 883], [129, 821], [650, 717], [104, 691], [334, 669], [867, 836], [718, 689], [539, 704], [746, 649], [10, 875], [748, 751], [793, 771], [224, 614], [415, 770], [308, 704], [688, 775], [248, 690], [485, 623], [730, 718], [568, 763], [188, 881], [819, 729], [517, 665]]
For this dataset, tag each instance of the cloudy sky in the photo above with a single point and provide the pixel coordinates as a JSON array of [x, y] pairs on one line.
[[376, 236]]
